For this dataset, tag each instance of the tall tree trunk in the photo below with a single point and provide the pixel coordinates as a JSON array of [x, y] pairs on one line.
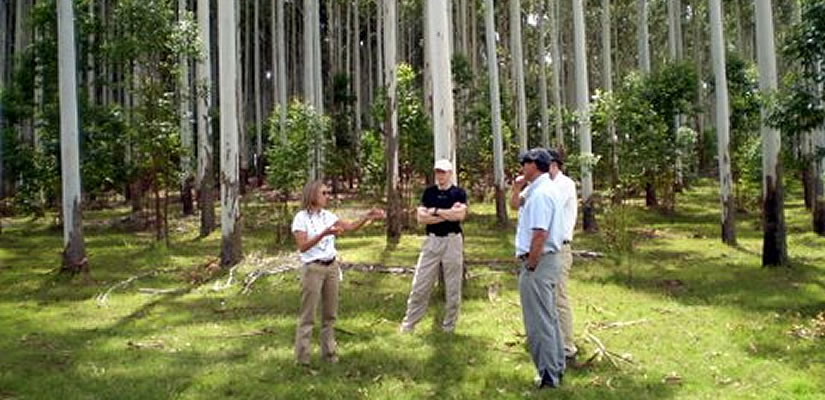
[[90, 59], [495, 109], [242, 90], [391, 123], [204, 177], [722, 123], [583, 108], [230, 187], [256, 92], [644, 38], [542, 62], [674, 48], [379, 38], [282, 86], [356, 57], [555, 52], [517, 59], [74, 252], [774, 246], [439, 55], [699, 53], [22, 40], [4, 52], [819, 170], [185, 114], [607, 77]]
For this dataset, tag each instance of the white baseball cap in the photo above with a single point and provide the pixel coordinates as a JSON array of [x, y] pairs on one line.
[[444, 165]]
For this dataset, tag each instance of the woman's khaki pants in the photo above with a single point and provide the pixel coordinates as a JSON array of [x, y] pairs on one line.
[[319, 284]]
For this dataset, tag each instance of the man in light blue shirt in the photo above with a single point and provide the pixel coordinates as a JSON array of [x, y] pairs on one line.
[[539, 238]]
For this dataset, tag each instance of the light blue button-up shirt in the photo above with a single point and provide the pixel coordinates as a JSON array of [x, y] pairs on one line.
[[542, 209]]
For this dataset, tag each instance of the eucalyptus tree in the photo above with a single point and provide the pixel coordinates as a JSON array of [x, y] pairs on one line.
[[203, 76], [185, 121], [74, 253], [644, 38], [583, 111], [356, 70], [774, 246], [722, 123], [279, 54], [607, 78], [256, 90], [390, 26], [229, 182], [556, 59], [4, 47], [541, 12], [495, 110], [517, 63], [439, 56]]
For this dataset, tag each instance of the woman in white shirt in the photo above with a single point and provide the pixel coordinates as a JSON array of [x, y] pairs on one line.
[[315, 229]]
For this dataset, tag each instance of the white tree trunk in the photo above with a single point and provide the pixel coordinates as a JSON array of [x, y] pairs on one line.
[[256, 90], [379, 38], [583, 110], [556, 59], [438, 37], [185, 115], [517, 59], [644, 40], [74, 253], [4, 46], [722, 122], [495, 109], [357, 74], [774, 248], [203, 178], [391, 122], [230, 187], [607, 77], [90, 56], [542, 62], [282, 86]]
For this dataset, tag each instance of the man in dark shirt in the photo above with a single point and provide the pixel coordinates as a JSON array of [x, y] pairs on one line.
[[443, 207]]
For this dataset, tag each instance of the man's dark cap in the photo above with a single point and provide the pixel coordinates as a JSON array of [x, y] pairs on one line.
[[537, 155]]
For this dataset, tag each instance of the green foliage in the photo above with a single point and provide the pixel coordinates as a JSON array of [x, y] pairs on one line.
[[644, 109], [288, 162]]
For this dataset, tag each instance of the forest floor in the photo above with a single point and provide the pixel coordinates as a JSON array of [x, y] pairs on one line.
[[683, 316]]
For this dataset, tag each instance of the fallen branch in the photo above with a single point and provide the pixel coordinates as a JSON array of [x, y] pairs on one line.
[[162, 291], [602, 351], [259, 332], [253, 276], [377, 268], [102, 297], [218, 287], [619, 324]]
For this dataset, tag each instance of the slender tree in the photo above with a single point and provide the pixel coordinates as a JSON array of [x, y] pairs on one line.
[[256, 91], [230, 185], [774, 247], [517, 59], [495, 109], [722, 123], [391, 123], [281, 69], [644, 38], [542, 62], [556, 59], [583, 109], [439, 57], [607, 78], [204, 178], [185, 116], [74, 253], [4, 46]]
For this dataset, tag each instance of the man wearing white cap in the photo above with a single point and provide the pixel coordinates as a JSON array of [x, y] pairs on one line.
[[443, 207]]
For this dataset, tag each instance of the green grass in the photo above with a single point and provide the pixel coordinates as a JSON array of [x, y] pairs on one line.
[[710, 315]]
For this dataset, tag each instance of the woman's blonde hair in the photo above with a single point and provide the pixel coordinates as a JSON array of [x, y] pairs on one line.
[[312, 190]]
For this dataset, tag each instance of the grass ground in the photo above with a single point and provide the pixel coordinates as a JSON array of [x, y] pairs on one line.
[[705, 320]]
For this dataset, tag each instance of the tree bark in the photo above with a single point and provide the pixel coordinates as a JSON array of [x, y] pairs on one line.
[[583, 108], [391, 124], [74, 252], [517, 59], [256, 92], [495, 110], [644, 38], [204, 177], [722, 123], [607, 77], [230, 187], [555, 52], [439, 56], [542, 62], [185, 114], [774, 247]]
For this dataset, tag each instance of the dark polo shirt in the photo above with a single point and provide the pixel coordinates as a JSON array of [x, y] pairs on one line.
[[434, 197]]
